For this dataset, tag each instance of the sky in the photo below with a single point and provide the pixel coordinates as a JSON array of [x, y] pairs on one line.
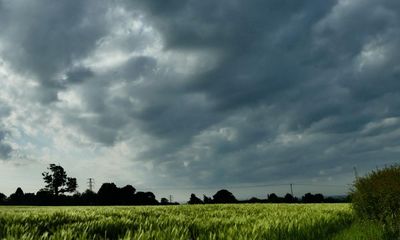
[[189, 96]]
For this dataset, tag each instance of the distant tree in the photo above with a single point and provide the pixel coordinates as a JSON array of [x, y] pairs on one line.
[[75, 199], [145, 198], [224, 196], [206, 199], [19, 192], [319, 198], [311, 198], [17, 197], [29, 198], [194, 199], [3, 198], [254, 200], [308, 198], [273, 198], [44, 197], [108, 193], [289, 198], [72, 185], [88, 197], [128, 191], [126, 194], [57, 181], [337, 199], [164, 201]]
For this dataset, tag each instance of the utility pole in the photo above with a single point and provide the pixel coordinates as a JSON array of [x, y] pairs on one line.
[[91, 184], [170, 198], [291, 189]]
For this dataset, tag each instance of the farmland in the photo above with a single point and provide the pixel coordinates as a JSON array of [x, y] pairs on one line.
[[236, 221]]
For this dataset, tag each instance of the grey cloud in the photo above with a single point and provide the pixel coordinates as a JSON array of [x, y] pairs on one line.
[[5, 151], [138, 66], [257, 41], [45, 37], [78, 75], [224, 23], [4, 111], [297, 87], [301, 64], [272, 73], [5, 148]]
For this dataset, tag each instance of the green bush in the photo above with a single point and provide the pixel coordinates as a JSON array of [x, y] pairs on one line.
[[377, 197]]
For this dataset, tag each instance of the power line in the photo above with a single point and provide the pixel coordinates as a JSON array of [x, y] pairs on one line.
[[212, 187], [247, 186], [322, 185]]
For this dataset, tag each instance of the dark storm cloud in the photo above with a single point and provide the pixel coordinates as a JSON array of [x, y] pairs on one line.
[[257, 41], [43, 38], [78, 75], [138, 66], [280, 90], [300, 67]]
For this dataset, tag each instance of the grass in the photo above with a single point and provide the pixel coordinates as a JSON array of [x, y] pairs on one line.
[[240, 221], [363, 230]]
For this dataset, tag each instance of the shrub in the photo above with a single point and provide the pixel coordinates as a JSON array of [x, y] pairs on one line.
[[377, 196]]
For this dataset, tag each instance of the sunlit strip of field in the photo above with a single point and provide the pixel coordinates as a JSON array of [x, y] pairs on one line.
[[237, 221]]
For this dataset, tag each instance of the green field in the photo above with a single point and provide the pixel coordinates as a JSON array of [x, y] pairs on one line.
[[239, 221]]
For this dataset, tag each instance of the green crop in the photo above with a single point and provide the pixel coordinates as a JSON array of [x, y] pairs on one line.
[[238, 221]]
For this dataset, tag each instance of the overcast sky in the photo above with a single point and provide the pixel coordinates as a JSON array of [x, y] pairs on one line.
[[199, 95]]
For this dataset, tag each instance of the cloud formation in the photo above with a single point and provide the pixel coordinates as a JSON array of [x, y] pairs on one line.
[[5, 148], [211, 92]]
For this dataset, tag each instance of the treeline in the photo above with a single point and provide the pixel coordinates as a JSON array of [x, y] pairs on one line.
[[110, 194], [224, 196], [58, 184]]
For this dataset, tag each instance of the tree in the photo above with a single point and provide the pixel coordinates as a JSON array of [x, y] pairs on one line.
[[57, 180], [108, 193], [289, 198], [194, 199], [254, 200], [164, 201], [376, 196], [2, 198], [44, 197], [319, 198], [17, 197], [127, 192], [308, 198], [224, 196], [311, 198], [273, 198], [88, 197], [145, 198], [206, 199]]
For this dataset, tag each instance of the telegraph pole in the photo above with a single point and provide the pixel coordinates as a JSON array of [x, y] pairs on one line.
[[291, 189], [170, 198], [91, 184]]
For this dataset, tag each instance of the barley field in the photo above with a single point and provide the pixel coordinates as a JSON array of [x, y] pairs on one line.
[[238, 221]]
